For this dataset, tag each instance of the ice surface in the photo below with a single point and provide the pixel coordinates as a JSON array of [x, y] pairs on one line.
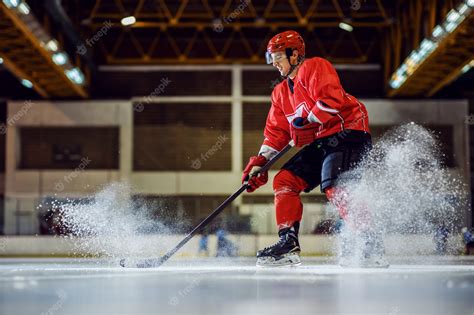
[[236, 286]]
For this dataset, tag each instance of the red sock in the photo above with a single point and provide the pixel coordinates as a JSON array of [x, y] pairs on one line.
[[287, 188], [336, 197], [359, 218]]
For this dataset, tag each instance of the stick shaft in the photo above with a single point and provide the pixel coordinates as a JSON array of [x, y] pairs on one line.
[[221, 207]]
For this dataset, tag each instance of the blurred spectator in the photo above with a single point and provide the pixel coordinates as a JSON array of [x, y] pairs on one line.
[[225, 248], [328, 227], [441, 239], [49, 220], [468, 239], [203, 244]]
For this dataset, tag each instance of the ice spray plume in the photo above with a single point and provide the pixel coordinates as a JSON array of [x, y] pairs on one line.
[[401, 187], [112, 225]]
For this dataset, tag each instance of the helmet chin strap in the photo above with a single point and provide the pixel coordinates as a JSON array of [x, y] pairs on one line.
[[289, 53], [292, 68]]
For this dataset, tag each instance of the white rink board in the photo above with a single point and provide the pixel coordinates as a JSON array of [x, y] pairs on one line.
[[247, 245]]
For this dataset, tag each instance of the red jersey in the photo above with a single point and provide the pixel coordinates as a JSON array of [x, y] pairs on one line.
[[318, 96]]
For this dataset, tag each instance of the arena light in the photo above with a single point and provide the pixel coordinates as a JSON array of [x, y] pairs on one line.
[[467, 67], [463, 8], [24, 8], [129, 20], [60, 58], [438, 32], [26, 83], [11, 3], [346, 26], [18, 5], [75, 75], [454, 17], [52, 45]]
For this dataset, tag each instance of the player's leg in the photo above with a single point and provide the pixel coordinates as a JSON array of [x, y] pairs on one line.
[[299, 173], [341, 156], [287, 187]]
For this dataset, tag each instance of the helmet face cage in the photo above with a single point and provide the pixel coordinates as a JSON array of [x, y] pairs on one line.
[[287, 52], [270, 59]]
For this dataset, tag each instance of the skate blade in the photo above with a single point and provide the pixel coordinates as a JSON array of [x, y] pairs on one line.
[[364, 264], [380, 265], [287, 260]]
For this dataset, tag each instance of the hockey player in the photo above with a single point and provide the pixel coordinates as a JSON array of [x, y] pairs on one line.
[[311, 108]]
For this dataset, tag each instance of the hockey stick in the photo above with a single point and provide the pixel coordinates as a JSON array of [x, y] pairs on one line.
[[156, 262]]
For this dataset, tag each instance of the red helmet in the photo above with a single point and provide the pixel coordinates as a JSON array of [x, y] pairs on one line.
[[286, 41]]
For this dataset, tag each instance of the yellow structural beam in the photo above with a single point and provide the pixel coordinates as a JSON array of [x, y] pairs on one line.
[[27, 58]]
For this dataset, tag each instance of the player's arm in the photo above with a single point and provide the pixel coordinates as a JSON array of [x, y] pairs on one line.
[[276, 133], [325, 89], [277, 136]]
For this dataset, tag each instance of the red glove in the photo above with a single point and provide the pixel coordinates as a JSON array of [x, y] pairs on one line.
[[255, 163], [303, 132]]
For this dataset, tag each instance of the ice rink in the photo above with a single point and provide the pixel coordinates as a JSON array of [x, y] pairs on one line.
[[425, 285]]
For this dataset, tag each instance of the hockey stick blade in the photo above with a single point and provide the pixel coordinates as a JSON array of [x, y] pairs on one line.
[[145, 263]]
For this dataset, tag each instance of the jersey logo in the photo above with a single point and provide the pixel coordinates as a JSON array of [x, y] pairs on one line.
[[300, 109]]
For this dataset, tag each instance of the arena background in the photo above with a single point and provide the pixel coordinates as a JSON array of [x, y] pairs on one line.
[[171, 97], [124, 123]]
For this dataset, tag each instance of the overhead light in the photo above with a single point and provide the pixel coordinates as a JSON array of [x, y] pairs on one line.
[[467, 67], [428, 45], [75, 75], [26, 83], [129, 20], [11, 3], [438, 31], [346, 27], [60, 58], [1, 60], [396, 83], [52, 45], [462, 8], [453, 16], [24, 8], [19, 5]]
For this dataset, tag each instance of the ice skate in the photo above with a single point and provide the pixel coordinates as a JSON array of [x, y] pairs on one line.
[[286, 252], [347, 245], [373, 253]]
